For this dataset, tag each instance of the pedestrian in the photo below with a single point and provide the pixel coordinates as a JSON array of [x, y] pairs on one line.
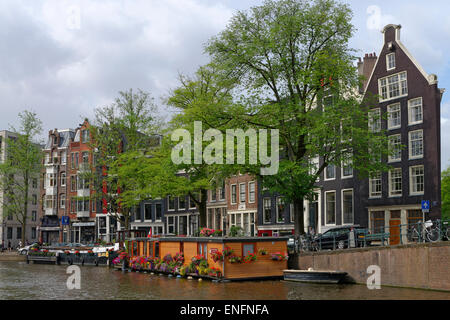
[[20, 243], [9, 245]]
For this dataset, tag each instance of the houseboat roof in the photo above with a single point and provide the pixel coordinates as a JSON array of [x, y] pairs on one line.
[[213, 239]]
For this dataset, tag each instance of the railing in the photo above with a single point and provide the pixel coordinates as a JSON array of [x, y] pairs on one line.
[[399, 234]]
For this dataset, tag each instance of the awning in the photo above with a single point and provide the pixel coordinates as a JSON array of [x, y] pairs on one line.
[[49, 228], [83, 224]]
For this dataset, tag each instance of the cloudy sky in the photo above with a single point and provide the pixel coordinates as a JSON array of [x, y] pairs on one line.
[[63, 58]]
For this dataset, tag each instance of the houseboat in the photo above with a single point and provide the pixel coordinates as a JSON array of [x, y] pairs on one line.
[[237, 258]]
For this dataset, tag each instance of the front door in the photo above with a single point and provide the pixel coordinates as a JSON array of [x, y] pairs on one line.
[[394, 229]]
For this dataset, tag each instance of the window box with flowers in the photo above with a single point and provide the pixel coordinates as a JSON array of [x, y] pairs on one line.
[[234, 259], [251, 257], [217, 256], [262, 252], [277, 256]]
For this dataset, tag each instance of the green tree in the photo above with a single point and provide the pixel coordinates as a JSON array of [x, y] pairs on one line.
[[195, 99], [21, 164], [445, 189], [121, 134], [295, 73]]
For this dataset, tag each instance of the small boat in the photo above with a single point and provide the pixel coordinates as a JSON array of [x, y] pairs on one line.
[[315, 276]]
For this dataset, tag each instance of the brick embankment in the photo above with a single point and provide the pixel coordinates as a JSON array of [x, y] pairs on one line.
[[424, 266]]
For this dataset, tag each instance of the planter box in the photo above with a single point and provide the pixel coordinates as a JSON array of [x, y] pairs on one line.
[[43, 259]]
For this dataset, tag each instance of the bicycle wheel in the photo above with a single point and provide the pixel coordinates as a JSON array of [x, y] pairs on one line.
[[433, 235]]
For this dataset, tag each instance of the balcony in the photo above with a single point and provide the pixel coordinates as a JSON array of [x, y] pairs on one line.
[[83, 193], [51, 191]]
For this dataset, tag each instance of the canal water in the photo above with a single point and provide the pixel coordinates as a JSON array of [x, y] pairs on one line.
[[22, 281]]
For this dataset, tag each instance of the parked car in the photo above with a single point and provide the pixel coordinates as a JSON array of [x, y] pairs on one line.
[[338, 238], [24, 250]]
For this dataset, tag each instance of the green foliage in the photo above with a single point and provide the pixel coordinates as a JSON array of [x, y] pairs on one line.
[[21, 165], [235, 231], [445, 189]]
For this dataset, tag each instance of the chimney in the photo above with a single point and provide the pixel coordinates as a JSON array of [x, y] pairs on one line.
[[365, 68]]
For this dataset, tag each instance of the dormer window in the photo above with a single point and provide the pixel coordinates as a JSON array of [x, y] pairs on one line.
[[390, 61]]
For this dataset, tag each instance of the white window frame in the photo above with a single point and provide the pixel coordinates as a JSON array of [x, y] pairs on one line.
[[387, 61], [411, 157], [240, 193], [342, 167], [168, 202], [326, 208], [61, 179], [249, 192], [231, 193], [386, 80], [391, 195], [342, 206], [390, 159], [371, 196], [389, 116], [410, 122], [264, 210], [179, 208], [375, 126], [326, 176], [411, 181], [277, 212], [62, 201]]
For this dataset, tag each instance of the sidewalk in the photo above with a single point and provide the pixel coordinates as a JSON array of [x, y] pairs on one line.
[[12, 256]]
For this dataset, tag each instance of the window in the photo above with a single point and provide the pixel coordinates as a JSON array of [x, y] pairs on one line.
[[330, 172], [416, 144], [73, 183], [63, 157], [347, 206], [233, 194], [267, 210], [222, 191], [280, 210], [171, 203], [33, 233], [158, 211], [242, 193], [34, 183], [33, 215], [395, 148], [213, 194], [251, 192], [291, 212], [395, 182], [191, 203], [19, 233], [148, 211], [314, 167], [393, 86], [34, 199], [375, 120], [72, 160], [330, 199], [51, 180], [377, 221], [9, 233], [182, 203], [347, 168], [415, 111], [390, 61], [63, 179], [416, 178], [85, 157], [375, 185], [248, 248], [85, 136], [394, 116], [62, 201]]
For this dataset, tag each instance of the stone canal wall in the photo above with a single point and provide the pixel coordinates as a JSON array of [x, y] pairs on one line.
[[425, 266], [12, 257]]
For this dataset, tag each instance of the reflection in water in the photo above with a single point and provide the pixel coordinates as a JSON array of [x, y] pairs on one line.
[[21, 281]]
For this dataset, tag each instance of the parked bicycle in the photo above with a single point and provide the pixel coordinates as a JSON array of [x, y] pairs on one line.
[[424, 232]]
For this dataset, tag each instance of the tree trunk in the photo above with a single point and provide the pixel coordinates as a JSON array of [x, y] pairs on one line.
[[299, 218], [25, 207], [202, 208]]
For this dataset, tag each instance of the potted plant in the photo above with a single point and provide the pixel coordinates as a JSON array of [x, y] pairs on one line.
[[235, 259], [217, 256], [227, 252], [250, 258], [278, 256], [262, 252]]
